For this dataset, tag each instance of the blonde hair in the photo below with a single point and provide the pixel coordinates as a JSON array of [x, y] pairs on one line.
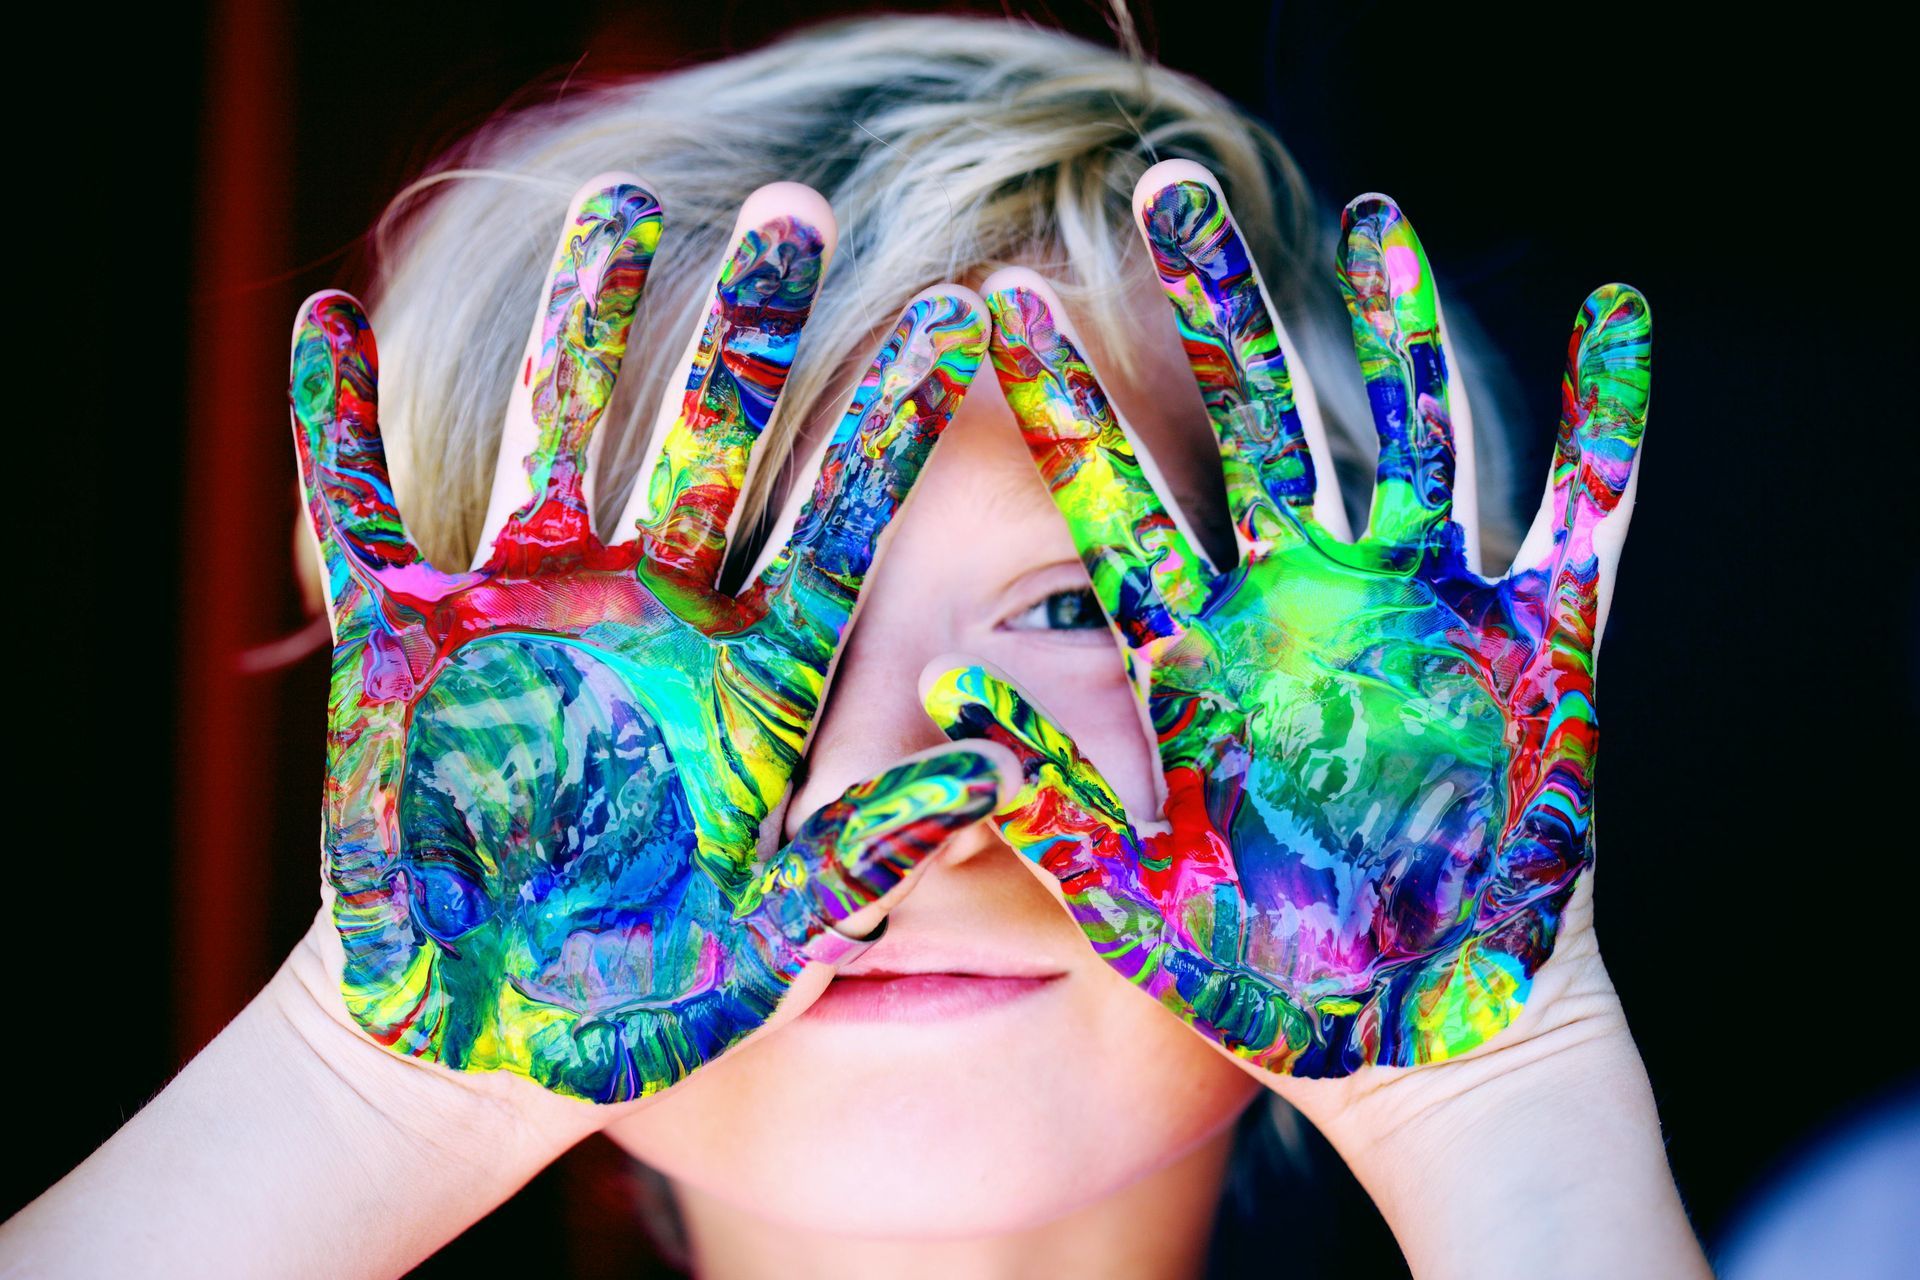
[[947, 147]]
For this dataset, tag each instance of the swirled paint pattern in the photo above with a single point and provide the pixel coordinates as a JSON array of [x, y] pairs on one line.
[[1378, 764], [547, 777]]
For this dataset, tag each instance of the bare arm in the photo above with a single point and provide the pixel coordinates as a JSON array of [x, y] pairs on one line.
[[292, 1147]]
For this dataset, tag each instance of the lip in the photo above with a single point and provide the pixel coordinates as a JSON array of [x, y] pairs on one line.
[[878, 996], [936, 975], [904, 953]]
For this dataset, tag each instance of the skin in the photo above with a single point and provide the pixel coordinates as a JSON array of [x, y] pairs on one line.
[[1077, 1130], [764, 1103], [1122, 1091], [1377, 764], [529, 871]]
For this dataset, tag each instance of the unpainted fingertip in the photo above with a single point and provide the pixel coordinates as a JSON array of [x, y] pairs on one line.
[[790, 200], [940, 687], [613, 182], [1168, 174], [1013, 278], [968, 298]]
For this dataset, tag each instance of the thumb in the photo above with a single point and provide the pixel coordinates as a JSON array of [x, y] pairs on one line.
[[853, 851], [1064, 813]]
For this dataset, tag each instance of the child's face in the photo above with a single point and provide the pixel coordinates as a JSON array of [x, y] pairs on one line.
[[1038, 1080]]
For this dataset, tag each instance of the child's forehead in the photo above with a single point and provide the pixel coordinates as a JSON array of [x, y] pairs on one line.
[[1135, 349]]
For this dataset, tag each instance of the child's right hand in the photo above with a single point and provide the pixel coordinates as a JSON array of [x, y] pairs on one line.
[[548, 775]]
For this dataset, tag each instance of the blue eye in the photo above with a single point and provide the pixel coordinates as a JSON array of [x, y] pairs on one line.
[[1062, 611]]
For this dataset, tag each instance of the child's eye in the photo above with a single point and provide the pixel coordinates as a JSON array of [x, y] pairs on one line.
[[1062, 611]]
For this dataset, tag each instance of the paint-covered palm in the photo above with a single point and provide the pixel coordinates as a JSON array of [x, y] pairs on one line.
[[547, 776], [1378, 764]]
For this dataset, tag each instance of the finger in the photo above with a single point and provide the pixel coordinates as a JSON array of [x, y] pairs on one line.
[[1145, 570], [1466, 483], [1064, 812], [1263, 411], [540, 512], [1064, 818], [333, 394], [737, 364], [806, 594], [1389, 290], [1574, 545], [856, 850]]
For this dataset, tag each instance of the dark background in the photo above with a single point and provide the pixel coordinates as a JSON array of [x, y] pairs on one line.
[[1760, 695]]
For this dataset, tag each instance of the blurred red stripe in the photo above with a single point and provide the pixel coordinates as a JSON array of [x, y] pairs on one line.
[[236, 508]]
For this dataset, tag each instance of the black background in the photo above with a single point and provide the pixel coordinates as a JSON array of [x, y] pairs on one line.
[[1759, 695]]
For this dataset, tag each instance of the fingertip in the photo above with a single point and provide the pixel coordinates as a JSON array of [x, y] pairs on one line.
[[1379, 249], [1020, 316], [1369, 206], [795, 201], [1027, 311], [1012, 280], [611, 180], [1186, 223], [319, 308], [941, 685], [616, 185], [1168, 175], [1364, 226], [988, 773], [967, 298], [954, 309], [1613, 307], [922, 370], [1612, 357], [324, 299], [613, 219]]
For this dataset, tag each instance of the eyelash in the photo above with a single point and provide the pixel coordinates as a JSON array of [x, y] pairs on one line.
[[1050, 614]]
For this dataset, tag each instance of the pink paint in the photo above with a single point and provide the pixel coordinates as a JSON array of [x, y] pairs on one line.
[[1403, 269]]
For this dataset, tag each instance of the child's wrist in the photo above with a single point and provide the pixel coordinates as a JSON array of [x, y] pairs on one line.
[[1539, 1156]]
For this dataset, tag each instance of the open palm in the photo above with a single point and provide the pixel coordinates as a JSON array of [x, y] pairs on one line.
[[1378, 764], [547, 776]]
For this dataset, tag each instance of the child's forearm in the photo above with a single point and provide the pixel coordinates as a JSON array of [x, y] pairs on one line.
[[1542, 1157], [289, 1147]]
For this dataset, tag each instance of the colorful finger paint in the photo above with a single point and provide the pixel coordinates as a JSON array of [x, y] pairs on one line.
[[744, 353], [546, 784], [1233, 347], [1378, 764]]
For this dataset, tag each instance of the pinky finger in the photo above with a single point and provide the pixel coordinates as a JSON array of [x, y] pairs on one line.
[[1575, 542]]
